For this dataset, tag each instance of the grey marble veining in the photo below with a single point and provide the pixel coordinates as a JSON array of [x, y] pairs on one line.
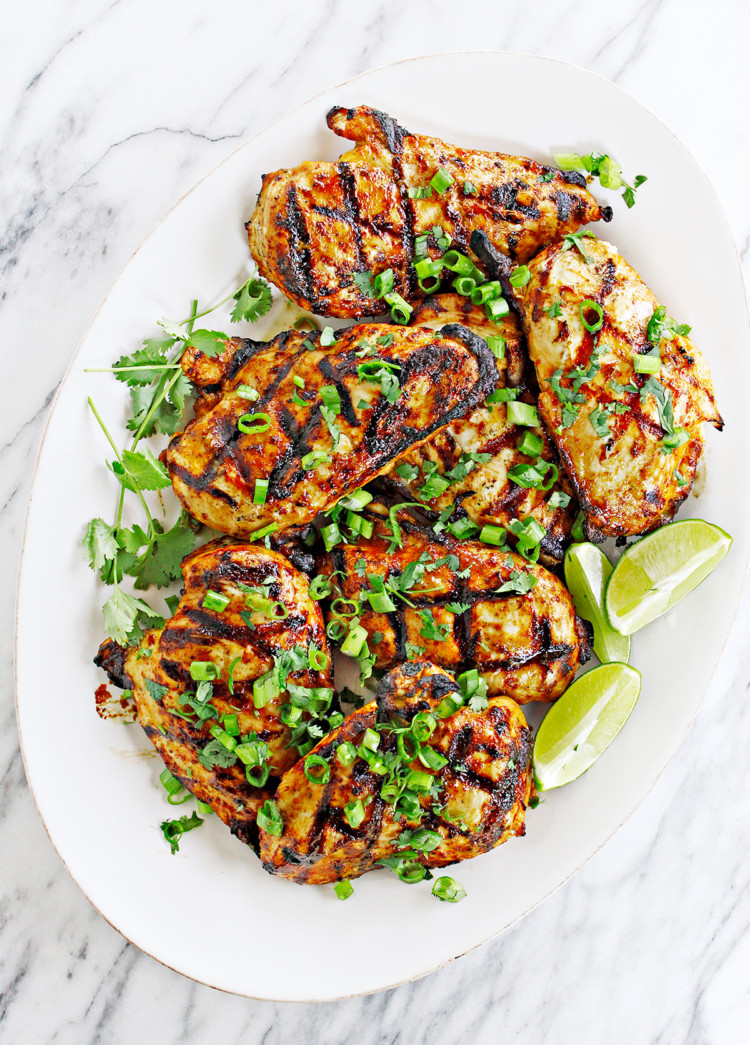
[[111, 110]]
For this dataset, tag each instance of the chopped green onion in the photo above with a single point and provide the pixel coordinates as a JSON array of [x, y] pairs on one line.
[[346, 753], [520, 276], [428, 267], [646, 364], [381, 602], [408, 746], [203, 671], [431, 758], [461, 265], [370, 740], [531, 444], [265, 689], [448, 705], [299, 381], [214, 600], [231, 725], [230, 676], [340, 607], [264, 531], [559, 499], [170, 783], [261, 491], [496, 309], [224, 738], [491, 534], [464, 285], [591, 306], [441, 181], [446, 888], [469, 190], [420, 781], [314, 459], [356, 500], [354, 641], [359, 524], [327, 337], [204, 808], [354, 813], [522, 414], [254, 424], [496, 345], [400, 308], [463, 528], [487, 292], [269, 818], [335, 630], [343, 889], [331, 536], [382, 283], [246, 392], [320, 586], [318, 660], [257, 776], [317, 769], [419, 192], [423, 725]]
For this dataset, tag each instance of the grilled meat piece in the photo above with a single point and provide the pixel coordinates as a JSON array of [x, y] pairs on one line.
[[482, 487], [473, 610], [482, 788], [629, 441], [330, 419], [317, 226], [269, 624]]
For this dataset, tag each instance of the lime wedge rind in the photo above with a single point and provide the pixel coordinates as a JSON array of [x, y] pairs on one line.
[[658, 571], [587, 570], [580, 727]]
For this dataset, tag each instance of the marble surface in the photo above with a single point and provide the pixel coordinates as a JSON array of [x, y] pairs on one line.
[[110, 110]]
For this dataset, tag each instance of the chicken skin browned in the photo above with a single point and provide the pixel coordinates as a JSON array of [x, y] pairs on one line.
[[466, 795], [318, 226], [322, 421], [623, 392], [461, 604], [245, 615], [473, 460]]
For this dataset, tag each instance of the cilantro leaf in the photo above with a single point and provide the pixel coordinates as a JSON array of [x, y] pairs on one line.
[[478, 702], [140, 470], [99, 543], [253, 301], [156, 691], [209, 342], [215, 754], [363, 280], [519, 583], [124, 615], [573, 239], [139, 367], [163, 558], [457, 607]]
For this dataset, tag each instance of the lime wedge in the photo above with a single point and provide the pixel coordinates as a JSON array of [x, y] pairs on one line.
[[583, 723], [587, 571], [653, 575]]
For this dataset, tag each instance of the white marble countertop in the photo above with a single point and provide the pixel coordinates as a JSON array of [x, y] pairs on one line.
[[110, 110]]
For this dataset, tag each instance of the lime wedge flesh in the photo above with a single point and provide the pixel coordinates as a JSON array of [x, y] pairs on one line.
[[583, 723], [587, 571], [653, 575]]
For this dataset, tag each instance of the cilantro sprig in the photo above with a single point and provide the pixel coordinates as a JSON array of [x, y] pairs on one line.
[[603, 167], [149, 553]]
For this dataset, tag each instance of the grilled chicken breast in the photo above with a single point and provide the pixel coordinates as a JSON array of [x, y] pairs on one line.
[[325, 420], [317, 226], [630, 441], [460, 604], [269, 624], [468, 462], [475, 801]]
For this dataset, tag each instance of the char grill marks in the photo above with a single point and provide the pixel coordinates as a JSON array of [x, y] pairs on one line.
[[242, 642], [214, 466], [526, 643], [486, 493], [479, 798], [316, 226]]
